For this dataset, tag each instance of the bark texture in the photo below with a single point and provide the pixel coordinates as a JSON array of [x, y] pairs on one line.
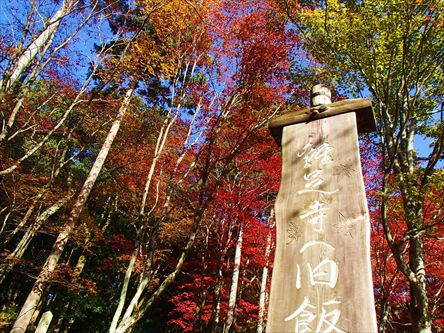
[[25, 315]]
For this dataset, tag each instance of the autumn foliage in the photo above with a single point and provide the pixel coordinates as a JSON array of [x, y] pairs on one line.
[[177, 231]]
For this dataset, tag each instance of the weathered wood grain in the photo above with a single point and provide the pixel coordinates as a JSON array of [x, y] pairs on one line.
[[361, 106], [329, 182]]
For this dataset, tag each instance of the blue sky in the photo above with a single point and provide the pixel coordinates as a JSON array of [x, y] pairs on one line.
[[81, 50]]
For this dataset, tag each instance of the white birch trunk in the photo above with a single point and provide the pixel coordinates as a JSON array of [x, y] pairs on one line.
[[133, 312], [130, 319], [21, 247], [116, 324], [38, 145], [263, 292], [41, 41], [124, 290], [24, 317], [11, 119], [235, 281]]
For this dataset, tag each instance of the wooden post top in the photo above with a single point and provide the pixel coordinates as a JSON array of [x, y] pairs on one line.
[[361, 106]]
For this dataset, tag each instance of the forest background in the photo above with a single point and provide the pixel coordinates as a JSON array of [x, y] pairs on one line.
[[138, 175]]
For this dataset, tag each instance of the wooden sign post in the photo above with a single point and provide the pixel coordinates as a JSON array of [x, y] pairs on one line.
[[322, 279], [44, 322]]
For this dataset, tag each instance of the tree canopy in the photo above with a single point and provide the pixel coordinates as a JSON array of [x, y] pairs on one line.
[[138, 176]]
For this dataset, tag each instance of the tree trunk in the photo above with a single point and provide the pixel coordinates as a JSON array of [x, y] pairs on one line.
[[124, 290], [11, 118], [419, 301], [131, 318], [422, 322], [385, 310], [27, 237], [263, 291], [399, 158], [28, 214], [24, 317], [40, 42], [213, 323], [119, 324], [235, 281], [40, 143]]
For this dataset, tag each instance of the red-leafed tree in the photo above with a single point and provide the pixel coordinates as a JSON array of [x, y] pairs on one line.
[[222, 292]]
